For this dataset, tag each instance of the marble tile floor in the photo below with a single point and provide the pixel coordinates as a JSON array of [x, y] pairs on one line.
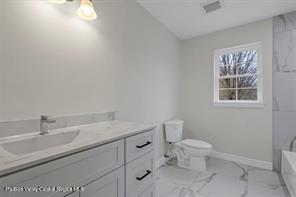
[[222, 179]]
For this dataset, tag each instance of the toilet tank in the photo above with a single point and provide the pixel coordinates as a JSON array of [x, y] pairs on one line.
[[173, 130]]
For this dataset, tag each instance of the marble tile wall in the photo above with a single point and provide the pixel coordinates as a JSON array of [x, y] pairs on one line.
[[284, 85], [11, 128]]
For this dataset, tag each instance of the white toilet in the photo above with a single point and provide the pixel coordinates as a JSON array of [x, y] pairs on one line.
[[191, 154]]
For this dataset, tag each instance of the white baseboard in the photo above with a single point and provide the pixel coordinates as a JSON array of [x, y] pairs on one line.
[[160, 162], [242, 160], [229, 157]]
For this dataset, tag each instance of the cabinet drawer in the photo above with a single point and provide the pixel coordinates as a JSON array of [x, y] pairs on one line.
[[111, 185], [150, 192], [140, 174], [139, 145], [74, 170]]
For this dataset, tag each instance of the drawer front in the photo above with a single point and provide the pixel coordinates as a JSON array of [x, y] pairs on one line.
[[150, 192], [138, 145], [111, 185], [72, 171], [140, 174]]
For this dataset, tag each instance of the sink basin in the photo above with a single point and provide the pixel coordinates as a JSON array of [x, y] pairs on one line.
[[41, 142]]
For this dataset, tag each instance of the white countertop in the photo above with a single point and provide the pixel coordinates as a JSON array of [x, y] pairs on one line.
[[90, 135]]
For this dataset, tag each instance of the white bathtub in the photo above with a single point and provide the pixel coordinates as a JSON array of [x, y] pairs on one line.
[[289, 171]]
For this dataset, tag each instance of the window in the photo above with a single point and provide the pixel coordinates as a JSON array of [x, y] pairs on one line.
[[238, 76]]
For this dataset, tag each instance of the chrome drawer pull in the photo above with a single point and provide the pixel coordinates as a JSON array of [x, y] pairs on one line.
[[142, 146], [147, 173]]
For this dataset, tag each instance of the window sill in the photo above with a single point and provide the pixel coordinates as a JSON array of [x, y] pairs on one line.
[[255, 105]]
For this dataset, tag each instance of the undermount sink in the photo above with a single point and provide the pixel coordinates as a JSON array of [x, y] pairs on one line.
[[41, 142]]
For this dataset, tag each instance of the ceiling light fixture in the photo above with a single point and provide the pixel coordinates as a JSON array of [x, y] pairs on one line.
[[86, 10]]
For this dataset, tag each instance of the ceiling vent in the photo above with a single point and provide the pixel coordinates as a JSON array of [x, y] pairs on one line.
[[211, 6]]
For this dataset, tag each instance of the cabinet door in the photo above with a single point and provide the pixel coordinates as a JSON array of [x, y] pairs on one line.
[[110, 185]]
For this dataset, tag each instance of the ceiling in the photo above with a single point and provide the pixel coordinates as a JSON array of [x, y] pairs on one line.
[[186, 19]]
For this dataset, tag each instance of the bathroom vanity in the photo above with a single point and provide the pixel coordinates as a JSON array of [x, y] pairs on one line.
[[108, 159]]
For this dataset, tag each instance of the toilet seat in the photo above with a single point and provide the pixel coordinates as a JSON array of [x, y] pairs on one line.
[[198, 144]]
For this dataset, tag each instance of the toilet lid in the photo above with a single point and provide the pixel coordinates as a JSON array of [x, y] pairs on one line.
[[196, 144]]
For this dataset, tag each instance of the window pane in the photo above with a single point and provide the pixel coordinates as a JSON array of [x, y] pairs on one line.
[[228, 59], [247, 82], [227, 83], [246, 56], [247, 94], [247, 68], [226, 70], [227, 95], [227, 64]]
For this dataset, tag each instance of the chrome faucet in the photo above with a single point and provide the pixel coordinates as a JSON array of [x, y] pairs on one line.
[[44, 121], [292, 144]]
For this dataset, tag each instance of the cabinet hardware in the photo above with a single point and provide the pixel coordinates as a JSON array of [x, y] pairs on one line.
[[147, 173], [146, 144]]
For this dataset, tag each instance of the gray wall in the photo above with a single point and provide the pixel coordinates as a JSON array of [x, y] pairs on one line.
[[56, 63], [284, 96], [239, 131]]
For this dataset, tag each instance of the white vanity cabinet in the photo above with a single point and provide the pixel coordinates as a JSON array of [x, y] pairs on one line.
[[122, 168], [72, 171]]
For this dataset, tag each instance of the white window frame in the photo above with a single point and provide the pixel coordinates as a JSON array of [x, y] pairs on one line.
[[239, 103]]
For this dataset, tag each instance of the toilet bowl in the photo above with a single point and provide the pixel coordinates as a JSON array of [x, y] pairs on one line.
[[191, 153]]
